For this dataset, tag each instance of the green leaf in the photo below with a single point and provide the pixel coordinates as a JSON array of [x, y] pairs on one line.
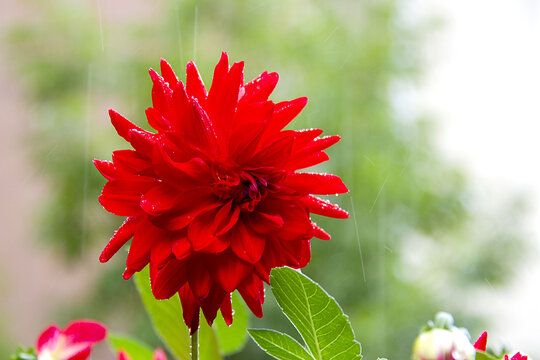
[[208, 343], [134, 348], [166, 317], [279, 345], [315, 314], [23, 354], [232, 339], [482, 355]]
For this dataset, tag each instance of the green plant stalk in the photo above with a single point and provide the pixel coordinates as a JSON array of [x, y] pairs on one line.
[[195, 345]]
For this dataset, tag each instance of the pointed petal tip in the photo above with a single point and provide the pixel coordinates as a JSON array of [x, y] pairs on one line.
[[481, 343], [128, 273], [153, 74]]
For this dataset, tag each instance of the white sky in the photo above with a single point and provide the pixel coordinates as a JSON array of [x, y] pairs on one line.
[[483, 86]]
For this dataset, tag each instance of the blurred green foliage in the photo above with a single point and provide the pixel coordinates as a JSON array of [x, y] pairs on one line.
[[414, 237]]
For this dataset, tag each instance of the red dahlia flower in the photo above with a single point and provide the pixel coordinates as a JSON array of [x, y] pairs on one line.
[[73, 343], [213, 199]]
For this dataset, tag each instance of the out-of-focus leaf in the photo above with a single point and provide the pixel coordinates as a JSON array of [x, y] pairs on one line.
[[208, 343], [482, 355], [166, 316], [279, 345], [324, 327], [232, 339], [134, 348]]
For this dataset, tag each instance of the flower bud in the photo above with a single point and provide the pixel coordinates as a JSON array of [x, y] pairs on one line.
[[447, 343]]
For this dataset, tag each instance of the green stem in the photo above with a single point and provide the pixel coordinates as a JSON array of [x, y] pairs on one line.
[[195, 345]]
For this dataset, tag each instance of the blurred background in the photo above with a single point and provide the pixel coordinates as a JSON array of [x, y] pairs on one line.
[[437, 104]]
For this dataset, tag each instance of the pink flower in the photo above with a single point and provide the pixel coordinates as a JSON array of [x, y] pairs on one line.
[[158, 355], [73, 343]]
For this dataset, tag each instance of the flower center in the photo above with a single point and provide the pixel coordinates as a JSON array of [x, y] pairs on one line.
[[243, 188]]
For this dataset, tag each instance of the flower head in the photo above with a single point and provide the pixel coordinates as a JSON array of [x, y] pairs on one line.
[[213, 198], [443, 344], [73, 343], [441, 340]]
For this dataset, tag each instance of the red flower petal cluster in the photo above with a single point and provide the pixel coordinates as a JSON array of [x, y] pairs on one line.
[[213, 198], [481, 344], [73, 343]]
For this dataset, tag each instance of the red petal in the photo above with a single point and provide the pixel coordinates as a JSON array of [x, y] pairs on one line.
[[202, 130], [190, 308], [311, 153], [275, 154], [319, 206], [185, 215], [169, 279], [201, 234], [319, 144], [260, 88], [122, 125], [106, 168], [226, 218], [161, 93], [246, 244], [142, 141], [168, 74], [249, 124], [220, 72], [84, 332], [481, 343], [194, 84], [296, 253], [160, 198], [76, 353], [120, 237], [181, 248], [222, 102], [296, 222], [297, 163], [122, 197], [230, 271], [193, 171], [156, 120], [48, 339], [253, 294], [181, 109], [161, 252], [313, 183], [211, 304], [226, 310], [130, 161], [139, 251], [304, 137], [284, 112], [199, 278], [263, 223], [320, 233]]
